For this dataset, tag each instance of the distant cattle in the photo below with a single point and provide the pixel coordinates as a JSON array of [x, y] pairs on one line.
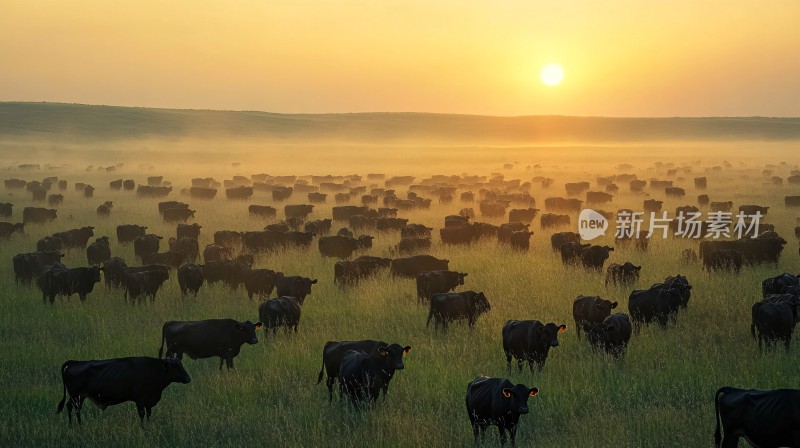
[[279, 312], [7, 229], [114, 381], [177, 214], [146, 244], [104, 209], [188, 231], [149, 191], [38, 215], [241, 192], [261, 282], [318, 226], [415, 231], [448, 307], [214, 252], [49, 243], [436, 282], [721, 206], [497, 402], [550, 220], [298, 211], [590, 310], [593, 257], [722, 259], [294, 286], [142, 283], [559, 238], [529, 340], [571, 252], [520, 240], [411, 267], [229, 272], [622, 274], [562, 204], [612, 334], [525, 215], [222, 338], [55, 199], [660, 302], [127, 233], [228, 238], [202, 192], [764, 418], [340, 246], [190, 278], [750, 210], [334, 352], [412, 245], [344, 212], [652, 205], [98, 252], [75, 238], [576, 188], [351, 272], [58, 280], [6, 209], [28, 266], [598, 197]]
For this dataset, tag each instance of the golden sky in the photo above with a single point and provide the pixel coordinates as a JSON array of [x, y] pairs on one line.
[[621, 57]]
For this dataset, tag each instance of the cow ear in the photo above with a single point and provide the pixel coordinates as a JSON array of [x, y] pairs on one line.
[[507, 392], [614, 305], [382, 350], [406, 349], [562, 328], [259, 325], [314, 281], [533, 392]]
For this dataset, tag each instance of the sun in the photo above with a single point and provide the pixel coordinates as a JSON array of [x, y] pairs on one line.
[[552, 74]]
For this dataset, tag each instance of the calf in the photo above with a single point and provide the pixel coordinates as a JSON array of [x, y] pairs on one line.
[[114, 381], [497, 402], [190, 278], [222, 338], [529, 340], [763, 417], [612, 334]]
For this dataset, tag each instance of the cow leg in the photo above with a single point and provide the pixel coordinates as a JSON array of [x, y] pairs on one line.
[[483, 433], [140, 410], [70, 405], [508, 362], [788, 343], [502, 430], [729, 440], [221, 360], [149, 411], [578, 330], [519, 364], [82, 296], [513, 431], [229, 363], [78, 408], [329, 383]]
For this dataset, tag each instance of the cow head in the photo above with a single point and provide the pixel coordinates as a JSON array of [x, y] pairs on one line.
[[392, 356], [549, 333], [480, 303], [603, 307], [598, 333], [174, 371], [246, 331], [517, 397]]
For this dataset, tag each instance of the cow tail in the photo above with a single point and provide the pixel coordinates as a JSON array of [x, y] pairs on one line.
[[753, 330], [64, 393], [322, 370], [430, 316], [717, 435], [163, 337]]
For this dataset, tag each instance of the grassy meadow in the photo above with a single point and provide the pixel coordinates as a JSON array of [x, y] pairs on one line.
[[660, 395]]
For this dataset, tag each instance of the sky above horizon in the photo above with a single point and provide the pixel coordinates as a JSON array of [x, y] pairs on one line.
[[620, 57]]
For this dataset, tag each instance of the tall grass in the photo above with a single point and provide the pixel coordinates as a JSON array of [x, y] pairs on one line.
[[660, 395]]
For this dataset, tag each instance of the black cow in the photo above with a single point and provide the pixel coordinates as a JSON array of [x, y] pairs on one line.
[[559, 238], [29, 266], [520, 240], [57, 279], [590, 310], [261, 282], [524, 215], [612, 334], [318, 226], [239, 192], [190, 278], [529, 340], [772, 322], [550, 220], [208, 338], [297, 211], [262, 211], [114, 271], [571, 252], [777, 284], [350, 272], [464, 233], [49, 243], [279, 312], [139, 283], [593, 257], [38, 215], [146, 245], [6, 209], [98, 252], [186, 246], [765, 418], [659, 303], [437, 282], [337, 246], [188, 231], [334, 352], [294, 286], [228, 238], [104, 209], [344, 212], [231, 273], [497, 402], [75, 238], [723, 259], [127, 233], [169, 258], [362, 376], [107, 382], [622, 274], [411, 267], [214, 252], [7, 229], [415, 231], [447, 307], [750, 210], [177, 214]]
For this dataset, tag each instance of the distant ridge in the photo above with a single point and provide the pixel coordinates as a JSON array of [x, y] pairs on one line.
[[76, 122]]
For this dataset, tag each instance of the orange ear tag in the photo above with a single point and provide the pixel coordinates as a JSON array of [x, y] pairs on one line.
[[506, 394]]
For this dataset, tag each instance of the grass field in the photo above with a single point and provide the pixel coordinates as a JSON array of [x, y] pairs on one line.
[[661, 395]]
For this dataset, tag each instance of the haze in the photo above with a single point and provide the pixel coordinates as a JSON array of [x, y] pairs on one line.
[[621, 58]]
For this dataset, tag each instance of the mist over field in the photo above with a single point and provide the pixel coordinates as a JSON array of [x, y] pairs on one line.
[[660, 394]]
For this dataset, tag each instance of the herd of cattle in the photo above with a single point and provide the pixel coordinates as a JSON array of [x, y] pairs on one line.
[[365, 368]]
